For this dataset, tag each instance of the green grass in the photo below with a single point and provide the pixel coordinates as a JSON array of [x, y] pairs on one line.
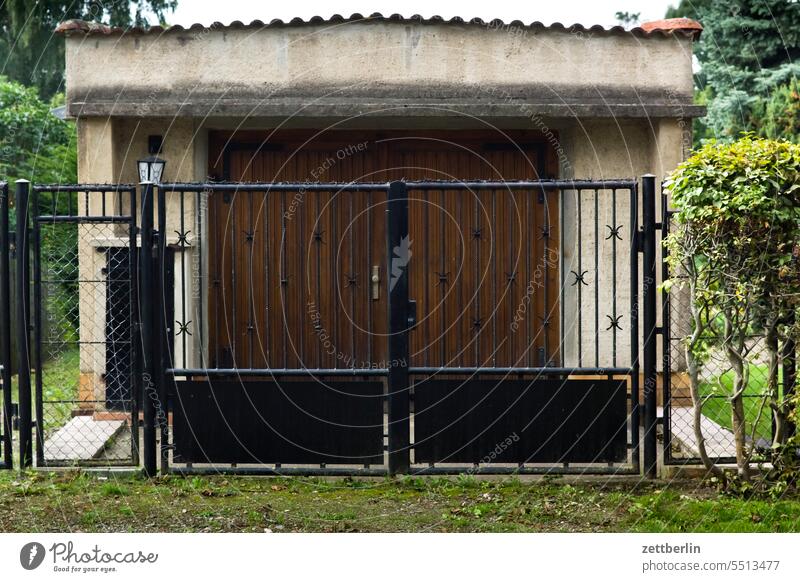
[[60, 380], [74, 501], [717, 406], [60, 383]]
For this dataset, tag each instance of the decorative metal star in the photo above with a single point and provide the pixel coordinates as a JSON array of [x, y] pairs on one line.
[[544, 231], [579, 278], [614, 322], [614, 232], [182, 237], [183, 328], [443, 278], [318, 236]]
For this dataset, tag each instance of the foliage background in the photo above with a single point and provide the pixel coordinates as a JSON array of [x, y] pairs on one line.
[[748, 67]]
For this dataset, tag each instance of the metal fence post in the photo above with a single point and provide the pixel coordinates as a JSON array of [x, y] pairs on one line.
[[666, 334], [23, 323], [5, 326], [789, 374], [399, 254], [164, 350], [148, 336], [635, 353], [649, 328]]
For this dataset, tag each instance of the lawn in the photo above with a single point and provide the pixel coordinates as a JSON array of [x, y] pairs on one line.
[[60, 388], [717, 406], [39, 502]]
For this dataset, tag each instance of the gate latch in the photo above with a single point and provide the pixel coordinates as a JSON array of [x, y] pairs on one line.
[[412, 314]]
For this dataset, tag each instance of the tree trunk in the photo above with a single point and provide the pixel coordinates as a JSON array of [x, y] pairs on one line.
[[773, 387], [737, 415], [693, 368], [734, 345]]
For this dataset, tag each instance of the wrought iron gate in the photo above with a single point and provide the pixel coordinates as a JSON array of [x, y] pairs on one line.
[[84, 346], [560, 401], [283, 328]]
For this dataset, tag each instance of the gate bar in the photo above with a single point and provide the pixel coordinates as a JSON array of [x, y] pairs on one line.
[[649, 331], [161, 344], [23, 324], [666, 334], [281, 472], [552, 470], [398, 385], [37, 325], [547, 371], [277, 372], [56, 188], [382, 186], [72, 219], [634, 308], [5, 326], [147, 315]]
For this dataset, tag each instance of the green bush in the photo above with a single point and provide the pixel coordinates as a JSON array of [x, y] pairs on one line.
[[736, 247], [38, 146]]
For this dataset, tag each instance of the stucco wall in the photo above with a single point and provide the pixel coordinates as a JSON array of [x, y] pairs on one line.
[[364, 67]]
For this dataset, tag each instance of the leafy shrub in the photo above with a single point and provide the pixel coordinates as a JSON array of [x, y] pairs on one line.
[[736, 248]]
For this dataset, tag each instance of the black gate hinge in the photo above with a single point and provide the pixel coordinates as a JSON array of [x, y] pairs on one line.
[[639, 240]]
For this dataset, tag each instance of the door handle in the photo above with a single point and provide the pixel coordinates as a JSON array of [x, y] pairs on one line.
[[412, 314], [376, 282]]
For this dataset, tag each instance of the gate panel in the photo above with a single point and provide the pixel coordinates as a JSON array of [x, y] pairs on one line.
[[547, 276], [85, 343], [286, 422], [294, 327], [512, 421]]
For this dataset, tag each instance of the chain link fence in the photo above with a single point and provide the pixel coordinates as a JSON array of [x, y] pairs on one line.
[[715, 388], [83, 283]]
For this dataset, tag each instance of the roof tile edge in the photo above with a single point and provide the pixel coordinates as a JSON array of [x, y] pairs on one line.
[[684, 27]]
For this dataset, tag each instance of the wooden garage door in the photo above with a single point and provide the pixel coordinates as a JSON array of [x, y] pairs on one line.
[[290, 271]]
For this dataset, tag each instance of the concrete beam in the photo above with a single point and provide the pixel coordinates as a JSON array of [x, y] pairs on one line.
[[347, 108]]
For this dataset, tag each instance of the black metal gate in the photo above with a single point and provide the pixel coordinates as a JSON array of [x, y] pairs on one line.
[[83, 242], [542, 373], [570, 408]]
